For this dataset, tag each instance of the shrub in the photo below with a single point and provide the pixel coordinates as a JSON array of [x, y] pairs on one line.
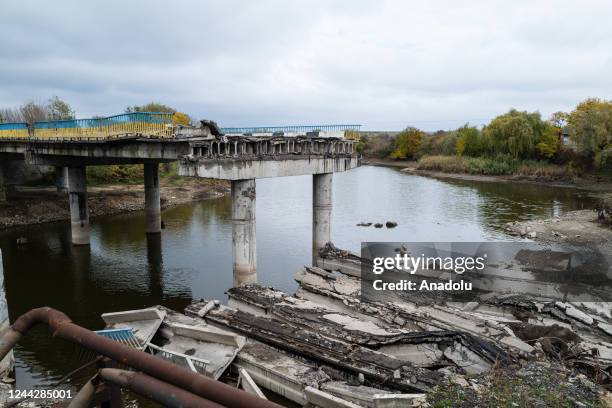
[[407, 144]]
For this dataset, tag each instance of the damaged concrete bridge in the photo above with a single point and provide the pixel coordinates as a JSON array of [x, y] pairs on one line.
[[240, 155]]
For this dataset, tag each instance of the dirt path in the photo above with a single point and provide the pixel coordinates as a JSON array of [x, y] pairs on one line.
[[34, 205]]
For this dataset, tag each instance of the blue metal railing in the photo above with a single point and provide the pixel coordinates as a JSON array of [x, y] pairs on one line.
[[297, 129]]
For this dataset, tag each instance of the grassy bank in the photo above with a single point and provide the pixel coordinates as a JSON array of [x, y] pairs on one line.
[[497, 166]]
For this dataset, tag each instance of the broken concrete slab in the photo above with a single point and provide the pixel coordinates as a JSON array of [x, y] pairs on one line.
[[343, 355]]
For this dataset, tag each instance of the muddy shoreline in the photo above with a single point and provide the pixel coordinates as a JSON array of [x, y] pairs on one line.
[[586, 183], [37, 205]]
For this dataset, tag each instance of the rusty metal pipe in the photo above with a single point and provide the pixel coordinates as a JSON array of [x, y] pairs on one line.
[[155, 390], [61, 326], [84, 397]]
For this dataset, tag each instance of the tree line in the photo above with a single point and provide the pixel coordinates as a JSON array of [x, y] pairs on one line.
[[515, 135], [57, 109]]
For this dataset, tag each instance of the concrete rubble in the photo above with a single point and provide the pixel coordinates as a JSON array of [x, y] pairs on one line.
[[326, 346]]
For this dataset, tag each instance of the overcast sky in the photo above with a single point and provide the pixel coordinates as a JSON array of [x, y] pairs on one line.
[[384, 64]]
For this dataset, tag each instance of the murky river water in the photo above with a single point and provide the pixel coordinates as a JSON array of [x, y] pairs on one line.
[[125, 269]]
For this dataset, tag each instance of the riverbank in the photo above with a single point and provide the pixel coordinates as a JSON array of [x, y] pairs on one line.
[[35, 205], [576, 227], [590, 183]]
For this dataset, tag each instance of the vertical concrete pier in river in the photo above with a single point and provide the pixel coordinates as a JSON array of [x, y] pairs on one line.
[[79, 212], [152, 198], [244, 248], [321, 212]]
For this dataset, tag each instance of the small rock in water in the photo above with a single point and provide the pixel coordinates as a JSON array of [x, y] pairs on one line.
[[391, 224], [378, 225]]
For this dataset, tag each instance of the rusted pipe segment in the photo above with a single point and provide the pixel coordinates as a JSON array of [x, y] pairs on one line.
[[62, 327], [84, 397], [8, 340], [155, 390]]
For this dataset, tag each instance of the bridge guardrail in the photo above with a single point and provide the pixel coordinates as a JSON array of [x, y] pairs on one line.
[[151, 124], [147, 123], [297, 129]]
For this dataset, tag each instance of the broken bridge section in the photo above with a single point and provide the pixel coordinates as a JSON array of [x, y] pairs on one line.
[[244, 158]]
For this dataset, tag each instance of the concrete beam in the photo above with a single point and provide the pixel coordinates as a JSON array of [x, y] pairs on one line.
[[243, 232], [152, 198], [321, 213], [79, 212], [275, 166]]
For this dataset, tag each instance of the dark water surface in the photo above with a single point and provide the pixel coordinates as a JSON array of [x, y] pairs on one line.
[[125, 269]]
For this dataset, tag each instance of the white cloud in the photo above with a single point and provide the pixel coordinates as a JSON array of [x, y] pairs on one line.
[[385, 64]]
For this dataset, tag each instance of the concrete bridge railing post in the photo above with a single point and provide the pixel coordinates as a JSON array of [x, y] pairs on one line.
[[152, 198], [79, 212], [321, 212], [244, 247]]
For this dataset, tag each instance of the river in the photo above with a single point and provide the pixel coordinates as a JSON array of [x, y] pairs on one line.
[[125, 269]]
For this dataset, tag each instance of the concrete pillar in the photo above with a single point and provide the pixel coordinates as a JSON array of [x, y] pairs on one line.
[[321, 212], [61, 179], [79, 213], [243, 232], [152, 198], [2, 186]]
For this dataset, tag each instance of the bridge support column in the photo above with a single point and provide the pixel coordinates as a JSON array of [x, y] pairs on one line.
[[321, 212], [152, 198], [2, 186], [243, 232], [61, 179], [79, 213]]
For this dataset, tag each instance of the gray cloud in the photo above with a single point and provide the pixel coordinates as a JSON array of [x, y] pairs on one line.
[[386, 64]]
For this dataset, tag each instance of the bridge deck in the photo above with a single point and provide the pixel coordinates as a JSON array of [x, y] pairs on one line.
[[141, 124]]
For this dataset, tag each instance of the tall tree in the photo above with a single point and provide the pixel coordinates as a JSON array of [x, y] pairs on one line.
[[515, 133], [57, 109], [469, 141], [10, 115], [33, 112], [407, 143], [590, 126]]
